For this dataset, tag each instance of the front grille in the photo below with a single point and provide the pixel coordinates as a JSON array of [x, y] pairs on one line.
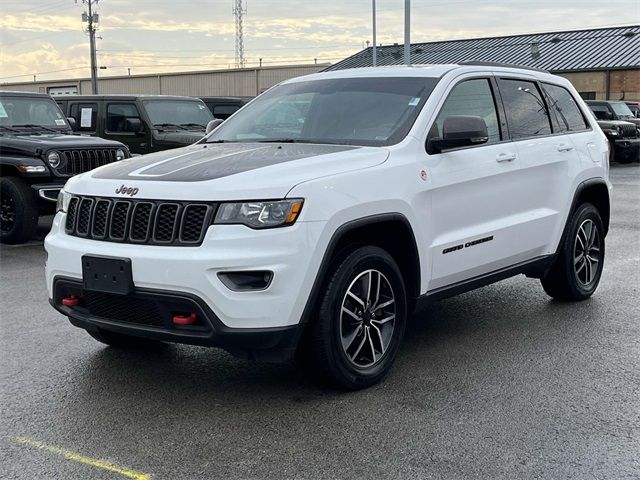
[[123, 308], [80, 161], [154, 222], [628, 131]]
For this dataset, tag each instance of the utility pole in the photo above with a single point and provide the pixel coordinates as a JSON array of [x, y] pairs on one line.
[[92, 19], [375, 56], [407, 32], [239, 11]]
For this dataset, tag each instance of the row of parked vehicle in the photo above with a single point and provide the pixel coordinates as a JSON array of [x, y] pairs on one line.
[[44, 142]]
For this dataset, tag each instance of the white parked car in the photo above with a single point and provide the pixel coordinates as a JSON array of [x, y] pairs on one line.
[[312, 221]]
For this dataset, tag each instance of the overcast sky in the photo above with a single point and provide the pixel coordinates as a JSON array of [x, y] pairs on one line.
[[161, 35]]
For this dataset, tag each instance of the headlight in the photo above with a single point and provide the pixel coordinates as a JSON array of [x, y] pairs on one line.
[[63, 201], [268, 214], [120, 155], [54, 159]]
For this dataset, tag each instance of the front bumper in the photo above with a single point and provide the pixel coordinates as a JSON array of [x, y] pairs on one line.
[[626, 149], [291, 253], [147, 314]]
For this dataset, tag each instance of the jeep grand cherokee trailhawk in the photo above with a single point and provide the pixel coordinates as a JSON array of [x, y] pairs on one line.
[[312, 221]]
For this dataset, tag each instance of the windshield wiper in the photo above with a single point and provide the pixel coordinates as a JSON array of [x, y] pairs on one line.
[[10, 129], [199, 125], [33, 125], [169, 125]]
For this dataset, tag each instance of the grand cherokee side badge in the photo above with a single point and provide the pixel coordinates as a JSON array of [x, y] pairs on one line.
[[124, 190]]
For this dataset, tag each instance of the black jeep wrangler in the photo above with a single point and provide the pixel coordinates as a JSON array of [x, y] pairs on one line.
[[38, 153], [621, 128]]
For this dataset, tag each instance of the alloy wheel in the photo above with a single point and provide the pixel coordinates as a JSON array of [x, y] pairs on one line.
[[7, 212], [367, 318], [587, 253]]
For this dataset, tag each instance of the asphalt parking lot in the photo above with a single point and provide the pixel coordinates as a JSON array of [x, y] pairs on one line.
[[497, 383]]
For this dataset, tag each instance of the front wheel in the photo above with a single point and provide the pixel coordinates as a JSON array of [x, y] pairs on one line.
[[576, 272], [18, 211], [355, 338]]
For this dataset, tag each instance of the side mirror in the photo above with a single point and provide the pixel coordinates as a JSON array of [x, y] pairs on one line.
[[460, 131], [72, 123], [134, 125], [213, 124]]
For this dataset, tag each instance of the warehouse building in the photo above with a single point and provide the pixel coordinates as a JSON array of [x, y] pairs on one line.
[[602, 63], [229, 82]]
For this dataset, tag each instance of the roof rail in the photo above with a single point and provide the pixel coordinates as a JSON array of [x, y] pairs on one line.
[[498, 64]]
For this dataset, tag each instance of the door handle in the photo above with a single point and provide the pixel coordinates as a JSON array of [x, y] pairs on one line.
[[506, 157], [564, 147]]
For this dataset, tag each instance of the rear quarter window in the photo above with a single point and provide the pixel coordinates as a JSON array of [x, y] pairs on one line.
[[526, 111], [565, 113]]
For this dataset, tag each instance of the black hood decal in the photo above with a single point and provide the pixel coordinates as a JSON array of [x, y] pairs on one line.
[[210, 161]]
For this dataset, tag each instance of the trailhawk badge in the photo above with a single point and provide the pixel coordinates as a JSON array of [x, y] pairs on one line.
[[124, 190]]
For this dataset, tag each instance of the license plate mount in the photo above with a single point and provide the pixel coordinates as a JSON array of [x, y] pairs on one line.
[[107, 274]]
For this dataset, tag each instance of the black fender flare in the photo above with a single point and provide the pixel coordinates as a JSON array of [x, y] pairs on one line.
[[331, 250]]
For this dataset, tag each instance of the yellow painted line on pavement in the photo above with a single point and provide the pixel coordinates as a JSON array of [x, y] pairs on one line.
[[74, 457]]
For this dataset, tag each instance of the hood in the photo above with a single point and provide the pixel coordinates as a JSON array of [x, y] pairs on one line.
[[226, 171], [180, 138], [31, 144]]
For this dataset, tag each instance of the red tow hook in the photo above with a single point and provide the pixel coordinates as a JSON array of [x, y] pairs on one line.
[[184, 319], [71, 301]]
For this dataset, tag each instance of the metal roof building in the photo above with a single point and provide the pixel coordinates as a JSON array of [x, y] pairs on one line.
[[613, 52]]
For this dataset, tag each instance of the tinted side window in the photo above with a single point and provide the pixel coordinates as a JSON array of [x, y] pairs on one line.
[[85, 115], [117, 115], [526, 112], [568, 117], [470, 97], [224, 111]]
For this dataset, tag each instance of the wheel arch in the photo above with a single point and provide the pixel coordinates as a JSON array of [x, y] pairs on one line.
[[389, 231], [596, 192]]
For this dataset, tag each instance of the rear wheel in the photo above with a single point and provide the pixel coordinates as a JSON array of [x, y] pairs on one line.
[[18, 211], [125, 342], [576, 273], [355, 338]]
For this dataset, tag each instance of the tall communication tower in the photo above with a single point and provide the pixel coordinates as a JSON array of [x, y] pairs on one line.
[[239, 11]]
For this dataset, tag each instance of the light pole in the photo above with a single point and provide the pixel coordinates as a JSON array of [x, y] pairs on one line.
[[407, 32], [373, 23]]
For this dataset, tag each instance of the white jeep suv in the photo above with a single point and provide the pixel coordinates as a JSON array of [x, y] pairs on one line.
[[310, 223]]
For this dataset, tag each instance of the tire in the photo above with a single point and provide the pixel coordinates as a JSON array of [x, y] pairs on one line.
[[575, 275], [354, 349], [18, 211], [124, 342]]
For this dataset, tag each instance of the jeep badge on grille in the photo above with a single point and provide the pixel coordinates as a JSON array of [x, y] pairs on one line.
[[124, 190]]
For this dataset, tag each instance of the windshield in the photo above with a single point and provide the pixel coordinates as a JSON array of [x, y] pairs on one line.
[[621, 109], [352, 111], [180, 114], [32, 113]]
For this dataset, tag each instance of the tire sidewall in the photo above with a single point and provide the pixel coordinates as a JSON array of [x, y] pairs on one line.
[[363, 259], [26, 212]]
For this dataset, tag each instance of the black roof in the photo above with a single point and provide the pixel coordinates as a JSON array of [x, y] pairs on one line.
[[612, 48], [125, 97], [10, 93]]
